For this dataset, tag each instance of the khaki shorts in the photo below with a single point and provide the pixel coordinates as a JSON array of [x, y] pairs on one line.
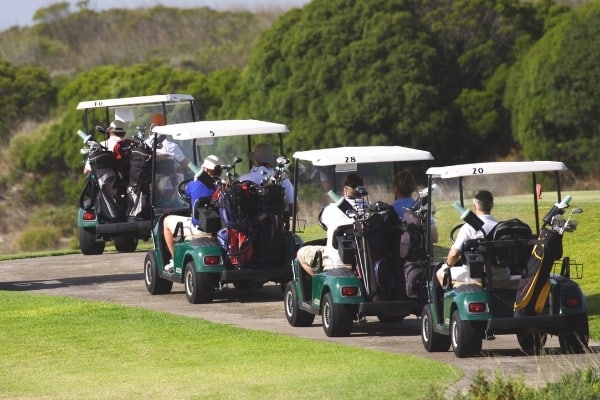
[[171, 222], [306, 255]]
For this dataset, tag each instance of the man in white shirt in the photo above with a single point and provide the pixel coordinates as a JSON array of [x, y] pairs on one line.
[[333, 217], [116, 133], [483, 202], [263, 160]]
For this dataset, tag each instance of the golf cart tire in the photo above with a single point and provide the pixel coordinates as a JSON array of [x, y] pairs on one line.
[[199, 286], [125, 244], [88, 244], [575, 341], [154, 283], [293, 313], [465, 337], [338, 319], [432, 341], [532, 343]]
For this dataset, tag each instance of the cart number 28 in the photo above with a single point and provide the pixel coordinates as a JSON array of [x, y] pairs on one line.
[[350, 159]]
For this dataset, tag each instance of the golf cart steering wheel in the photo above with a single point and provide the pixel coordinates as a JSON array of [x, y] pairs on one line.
[[454, 232], [181, 191]]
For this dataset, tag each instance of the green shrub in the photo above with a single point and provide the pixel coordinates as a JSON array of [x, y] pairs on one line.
[[576, 385], [35, 238]]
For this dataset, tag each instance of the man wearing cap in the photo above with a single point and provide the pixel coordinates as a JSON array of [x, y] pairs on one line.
[[263, 159], [164, 146], [201, 188], [116, 132], [332, 217], [483, 202]]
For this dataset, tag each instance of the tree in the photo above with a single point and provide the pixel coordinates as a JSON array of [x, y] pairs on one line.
[[426, 74], [554, 93], [27, 93]]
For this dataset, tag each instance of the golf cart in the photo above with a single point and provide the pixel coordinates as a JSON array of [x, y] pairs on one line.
[[374, 281], [114, 204], [518, 280], [246, 237]]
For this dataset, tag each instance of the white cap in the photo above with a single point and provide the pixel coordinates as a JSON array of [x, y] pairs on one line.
[[210, 162]]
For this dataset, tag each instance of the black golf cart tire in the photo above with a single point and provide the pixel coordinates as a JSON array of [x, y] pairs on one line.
[[338, 319], [199, 286], [532, 343], [432, 341], [575, 341], [154, 283], [465, 337], [88, 244], [125, 244], [295, 316]]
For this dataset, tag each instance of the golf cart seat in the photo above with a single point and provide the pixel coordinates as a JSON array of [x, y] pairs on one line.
[[512, 245], [501, 257], [207, 216], [343, 241]]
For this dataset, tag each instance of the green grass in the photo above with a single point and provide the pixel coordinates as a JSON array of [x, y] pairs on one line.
[[60, 348]]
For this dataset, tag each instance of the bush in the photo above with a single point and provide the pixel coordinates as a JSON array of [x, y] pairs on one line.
[[579, 384], [36, 238]]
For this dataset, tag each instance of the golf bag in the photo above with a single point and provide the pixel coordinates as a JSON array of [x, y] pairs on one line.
[[103, 188], [138, 189], [534, 286], [238, 204], [377, 235]]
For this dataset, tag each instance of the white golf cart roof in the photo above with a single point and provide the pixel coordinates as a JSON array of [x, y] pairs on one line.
[[498, 167], [222, 128], [361, 155], [138, 100]]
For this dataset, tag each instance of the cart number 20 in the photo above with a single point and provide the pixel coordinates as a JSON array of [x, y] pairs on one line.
[[477, 171]]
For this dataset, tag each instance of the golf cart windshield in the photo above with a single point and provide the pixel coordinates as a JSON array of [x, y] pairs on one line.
[[520, 189], [322, 170], [230, 140]]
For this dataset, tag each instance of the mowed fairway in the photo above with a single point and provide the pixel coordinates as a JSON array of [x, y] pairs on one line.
[[60, 348]]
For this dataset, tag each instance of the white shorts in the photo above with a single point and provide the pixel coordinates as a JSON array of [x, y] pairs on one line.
[[461, 275], [171, 222]]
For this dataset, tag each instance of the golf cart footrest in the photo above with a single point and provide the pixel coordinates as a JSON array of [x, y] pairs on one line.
[[392, 307], [124, 227], [258, 275], [514, 324]]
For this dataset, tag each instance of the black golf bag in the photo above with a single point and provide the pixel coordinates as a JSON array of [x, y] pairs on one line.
[[534, 286], [138, 189], [103, 190]]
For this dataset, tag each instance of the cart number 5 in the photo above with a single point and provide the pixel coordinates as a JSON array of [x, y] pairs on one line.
[[477, 171]]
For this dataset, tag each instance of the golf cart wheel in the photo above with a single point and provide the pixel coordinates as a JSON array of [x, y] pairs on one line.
[[199, 286], [337, 318], [154, 283], [575, 340], [126, 244], [532, 343], [88, 244], [432, 341], [293, 313], [466, 338]]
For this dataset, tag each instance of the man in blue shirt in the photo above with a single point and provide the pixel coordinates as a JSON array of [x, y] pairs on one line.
[[404, 183], [200, 189]]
